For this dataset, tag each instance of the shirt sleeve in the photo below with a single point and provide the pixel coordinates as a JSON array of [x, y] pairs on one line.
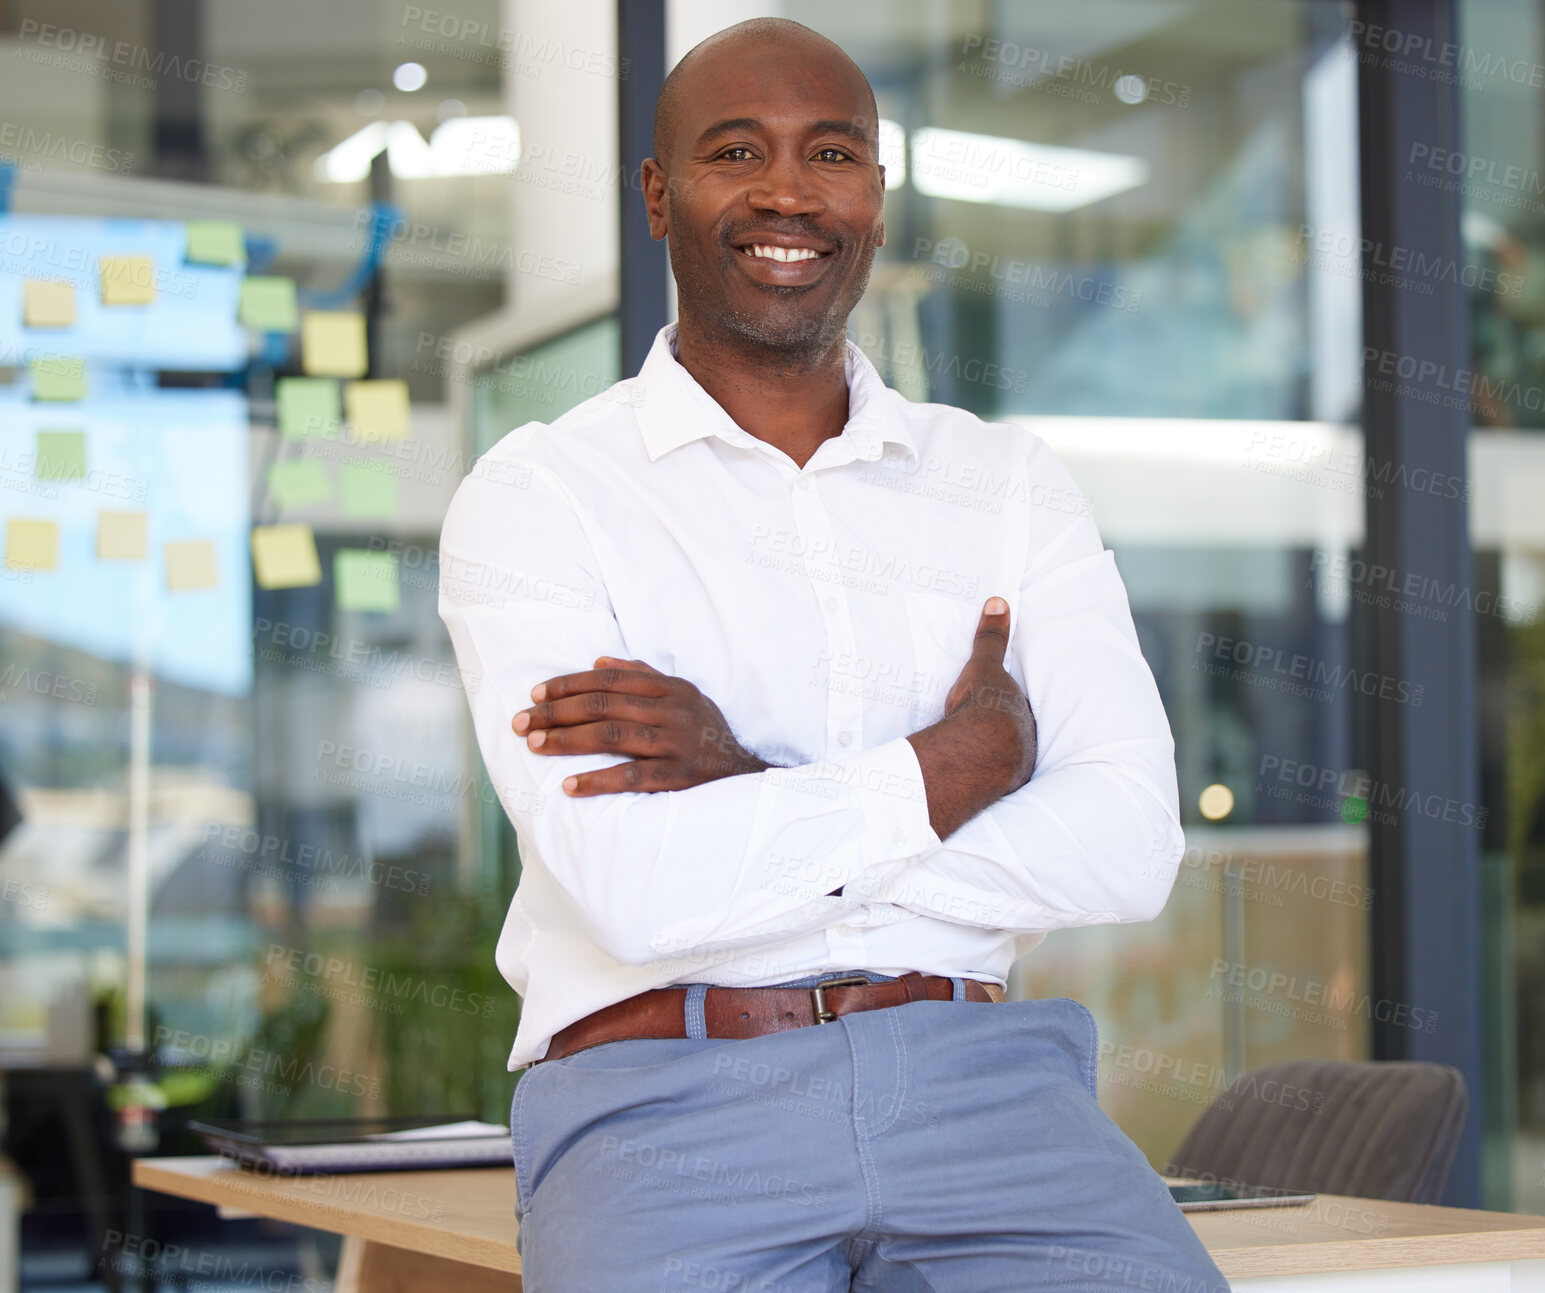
[[676, 874], [1094, 836]]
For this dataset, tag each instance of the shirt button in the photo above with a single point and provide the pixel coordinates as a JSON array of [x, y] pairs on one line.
[[830, 603], [844, 738]]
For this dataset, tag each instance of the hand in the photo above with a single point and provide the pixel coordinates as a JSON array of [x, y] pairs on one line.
[[985, 745], [679, 737], [986, 697]]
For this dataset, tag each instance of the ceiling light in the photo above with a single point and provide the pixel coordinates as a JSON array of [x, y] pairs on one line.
[[410, 77], [349, 161], [1016, 173], [1130, 89], [1216, 802], [459, 146]]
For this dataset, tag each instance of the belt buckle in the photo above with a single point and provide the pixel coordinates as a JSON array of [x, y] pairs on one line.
[[818, 996]]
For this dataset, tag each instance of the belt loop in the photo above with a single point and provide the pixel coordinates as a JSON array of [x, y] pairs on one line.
[[697, 1026], [960, 989]]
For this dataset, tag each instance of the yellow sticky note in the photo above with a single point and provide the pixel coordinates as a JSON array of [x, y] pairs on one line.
[[268, 304], [378, 410], [285, 556], [332, 344], [190, 565], [58, 379], [128, 280], [31, 545], [216, 242], [366, 581], [48, 305], [122, 536]]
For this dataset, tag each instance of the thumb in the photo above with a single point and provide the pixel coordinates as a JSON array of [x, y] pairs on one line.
[[994, 622], [612, 662]]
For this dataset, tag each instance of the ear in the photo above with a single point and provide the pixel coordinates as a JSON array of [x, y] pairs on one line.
[[653, 181]]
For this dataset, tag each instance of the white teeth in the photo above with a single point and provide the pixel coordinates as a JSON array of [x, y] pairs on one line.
[[763, 252]]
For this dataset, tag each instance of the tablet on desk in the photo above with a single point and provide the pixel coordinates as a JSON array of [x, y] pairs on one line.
[[1215, 1196], [358, 1144]]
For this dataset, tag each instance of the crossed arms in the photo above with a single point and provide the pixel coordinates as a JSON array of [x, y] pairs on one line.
[[982, 749], [677, 850]]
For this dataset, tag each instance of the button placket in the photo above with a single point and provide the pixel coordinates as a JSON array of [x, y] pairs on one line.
[[844, 710]]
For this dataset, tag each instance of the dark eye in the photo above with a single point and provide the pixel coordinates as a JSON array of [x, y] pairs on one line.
[[736, 153], [832, 155]]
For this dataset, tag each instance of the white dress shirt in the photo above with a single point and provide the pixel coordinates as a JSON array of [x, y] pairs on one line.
[[826, 611]]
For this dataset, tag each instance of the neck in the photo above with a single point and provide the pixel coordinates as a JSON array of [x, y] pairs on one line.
[[791, 399]]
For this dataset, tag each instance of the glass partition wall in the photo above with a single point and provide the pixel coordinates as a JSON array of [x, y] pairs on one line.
[[1499, 68], [1133, 229]]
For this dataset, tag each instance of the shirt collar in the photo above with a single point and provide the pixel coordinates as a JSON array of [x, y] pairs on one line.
[[675, 410]]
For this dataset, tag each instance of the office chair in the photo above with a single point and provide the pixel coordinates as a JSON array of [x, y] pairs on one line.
[[1374, 1130]]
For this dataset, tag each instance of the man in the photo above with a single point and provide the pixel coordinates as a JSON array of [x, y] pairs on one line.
[[762, 955]]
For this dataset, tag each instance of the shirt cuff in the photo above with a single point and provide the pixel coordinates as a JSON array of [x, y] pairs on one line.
[[888, 784]]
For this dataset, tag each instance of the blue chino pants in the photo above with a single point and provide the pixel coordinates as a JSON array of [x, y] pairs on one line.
[[933, 1147]]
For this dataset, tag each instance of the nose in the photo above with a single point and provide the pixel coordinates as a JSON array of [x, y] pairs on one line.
[[785, 186]]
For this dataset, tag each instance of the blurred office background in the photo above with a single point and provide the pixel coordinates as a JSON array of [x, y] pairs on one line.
[[253, 859]]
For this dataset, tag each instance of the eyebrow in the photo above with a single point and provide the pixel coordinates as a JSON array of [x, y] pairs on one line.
[[735, 125]]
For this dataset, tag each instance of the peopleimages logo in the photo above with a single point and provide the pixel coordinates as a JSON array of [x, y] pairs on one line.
[[1048, 280], [1360, 794], [386, 985], [1345, 1000], [1287, 671]]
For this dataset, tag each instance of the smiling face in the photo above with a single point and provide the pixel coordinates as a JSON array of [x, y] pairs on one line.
[[769, 188]]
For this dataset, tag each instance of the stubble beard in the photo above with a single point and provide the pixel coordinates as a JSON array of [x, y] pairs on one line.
[[795, 337]]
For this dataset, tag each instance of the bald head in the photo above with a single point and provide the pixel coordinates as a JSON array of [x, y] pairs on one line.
[[782, 38], [767, 184]]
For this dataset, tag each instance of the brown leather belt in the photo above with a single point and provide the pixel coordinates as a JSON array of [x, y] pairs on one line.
[[753, 1012]]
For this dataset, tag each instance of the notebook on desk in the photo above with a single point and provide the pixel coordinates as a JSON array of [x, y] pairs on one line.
[[301, 1145], [1213, 1196]]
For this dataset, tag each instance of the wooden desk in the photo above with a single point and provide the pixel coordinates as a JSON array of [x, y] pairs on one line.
[[441, 1230]]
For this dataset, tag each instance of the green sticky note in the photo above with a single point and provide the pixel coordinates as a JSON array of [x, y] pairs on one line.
[[216, 242], [368, 490], [298, 482], [269, 304], [58, 379], [366, 581], [61, 455], [308, 407]]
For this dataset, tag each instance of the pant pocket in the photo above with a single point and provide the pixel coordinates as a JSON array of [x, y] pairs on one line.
[[520, 1139], [1091, 1064], [1071, 1028]]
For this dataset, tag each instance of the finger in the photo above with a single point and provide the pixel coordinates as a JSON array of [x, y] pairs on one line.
[[613, 662], [637, 775], [992, 628], [609, 737], [590, 707], [614, 679]]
